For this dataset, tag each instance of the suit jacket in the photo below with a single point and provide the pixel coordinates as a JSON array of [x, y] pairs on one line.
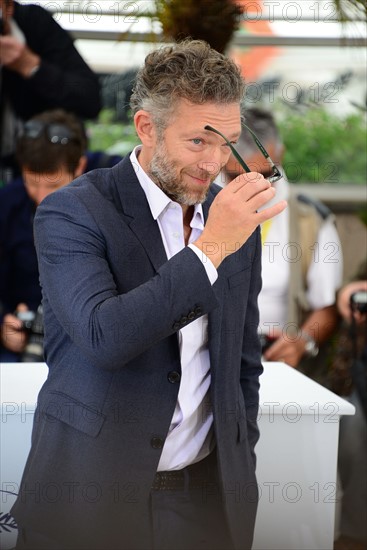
[[113, 304]]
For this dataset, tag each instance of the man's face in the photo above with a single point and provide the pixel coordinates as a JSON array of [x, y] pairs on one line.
[[38, 186], [186, 158]]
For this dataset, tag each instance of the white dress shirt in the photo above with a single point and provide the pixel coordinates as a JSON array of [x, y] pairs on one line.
[[190, 436]]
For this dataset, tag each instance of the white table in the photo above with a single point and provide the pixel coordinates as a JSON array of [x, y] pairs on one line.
[[297, 453], [297, 461]]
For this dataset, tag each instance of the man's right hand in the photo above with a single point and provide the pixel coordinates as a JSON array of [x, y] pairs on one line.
[[234, 216], [12, 336]]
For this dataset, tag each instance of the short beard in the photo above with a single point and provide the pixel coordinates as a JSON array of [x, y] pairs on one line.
[[164, 173]]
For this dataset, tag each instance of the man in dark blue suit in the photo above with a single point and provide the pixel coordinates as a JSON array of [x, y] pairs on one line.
[[146, 426]]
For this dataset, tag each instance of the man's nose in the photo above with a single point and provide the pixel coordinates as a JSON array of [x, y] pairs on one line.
[[213, 160]]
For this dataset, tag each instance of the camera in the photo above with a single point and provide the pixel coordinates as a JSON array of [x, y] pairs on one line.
[[358, 301], [33, 324]]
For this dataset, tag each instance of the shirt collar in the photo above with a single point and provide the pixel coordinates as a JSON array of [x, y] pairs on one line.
[[157, 199]]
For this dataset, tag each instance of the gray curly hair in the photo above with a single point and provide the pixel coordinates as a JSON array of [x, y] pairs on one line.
[[189, 70]]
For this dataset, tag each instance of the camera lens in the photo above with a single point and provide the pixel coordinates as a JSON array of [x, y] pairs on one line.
[[27, 318]]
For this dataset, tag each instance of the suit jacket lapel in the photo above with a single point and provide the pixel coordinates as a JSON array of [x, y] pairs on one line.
[[135, 208], [215, 317]]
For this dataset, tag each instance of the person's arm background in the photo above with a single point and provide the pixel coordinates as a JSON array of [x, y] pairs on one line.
[[63, 79], [324, 277], [319, 325]]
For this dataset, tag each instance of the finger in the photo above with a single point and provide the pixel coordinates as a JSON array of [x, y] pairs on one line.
[[272, 211], [22, 307], [259, 190], [258, 193], [275, 350], [244, 179], [12, 322]]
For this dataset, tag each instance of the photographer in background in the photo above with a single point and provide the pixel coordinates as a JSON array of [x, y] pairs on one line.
[[352, 454], [40, 69], [51, 153], [301, 261]]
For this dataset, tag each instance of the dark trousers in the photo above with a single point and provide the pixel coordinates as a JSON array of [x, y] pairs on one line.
[[192, 516], [184, 521], [186, 513]]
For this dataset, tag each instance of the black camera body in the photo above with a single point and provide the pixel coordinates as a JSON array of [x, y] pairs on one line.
[[33, 324], [358, 301]]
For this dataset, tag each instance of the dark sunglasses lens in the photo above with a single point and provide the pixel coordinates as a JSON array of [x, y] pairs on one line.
[[32, 129], [58, 133]]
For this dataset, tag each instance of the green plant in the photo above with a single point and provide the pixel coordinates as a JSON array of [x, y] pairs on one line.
[[350, 9], [324, 148], [109, 136], [211, 20]]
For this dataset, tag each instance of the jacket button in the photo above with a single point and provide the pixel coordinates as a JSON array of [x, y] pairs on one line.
[[174, 377], [157, 442], [176, 326], [191, 316], [183, 321], [198, 311]]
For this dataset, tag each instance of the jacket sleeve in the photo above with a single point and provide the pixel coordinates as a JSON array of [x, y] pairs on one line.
[[111, 328], [63, 80], [251, 367]]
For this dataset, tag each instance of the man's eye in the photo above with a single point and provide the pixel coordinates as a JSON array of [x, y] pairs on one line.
[[197, 141]]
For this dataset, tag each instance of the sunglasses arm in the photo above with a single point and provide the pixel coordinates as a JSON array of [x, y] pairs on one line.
[[233, 150]]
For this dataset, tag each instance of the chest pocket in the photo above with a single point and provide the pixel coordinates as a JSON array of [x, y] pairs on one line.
[[82, 417]]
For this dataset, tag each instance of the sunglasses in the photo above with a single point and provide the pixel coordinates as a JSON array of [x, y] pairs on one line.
[[275, 174], [58, 134]]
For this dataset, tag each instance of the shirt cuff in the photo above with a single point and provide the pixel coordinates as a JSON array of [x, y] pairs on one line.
[[207, 263]]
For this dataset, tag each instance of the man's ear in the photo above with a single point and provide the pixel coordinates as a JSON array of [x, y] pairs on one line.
[[82, 165], [145, 128]]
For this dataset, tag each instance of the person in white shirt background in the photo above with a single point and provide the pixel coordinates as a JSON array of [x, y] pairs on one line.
[[301, 260]]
